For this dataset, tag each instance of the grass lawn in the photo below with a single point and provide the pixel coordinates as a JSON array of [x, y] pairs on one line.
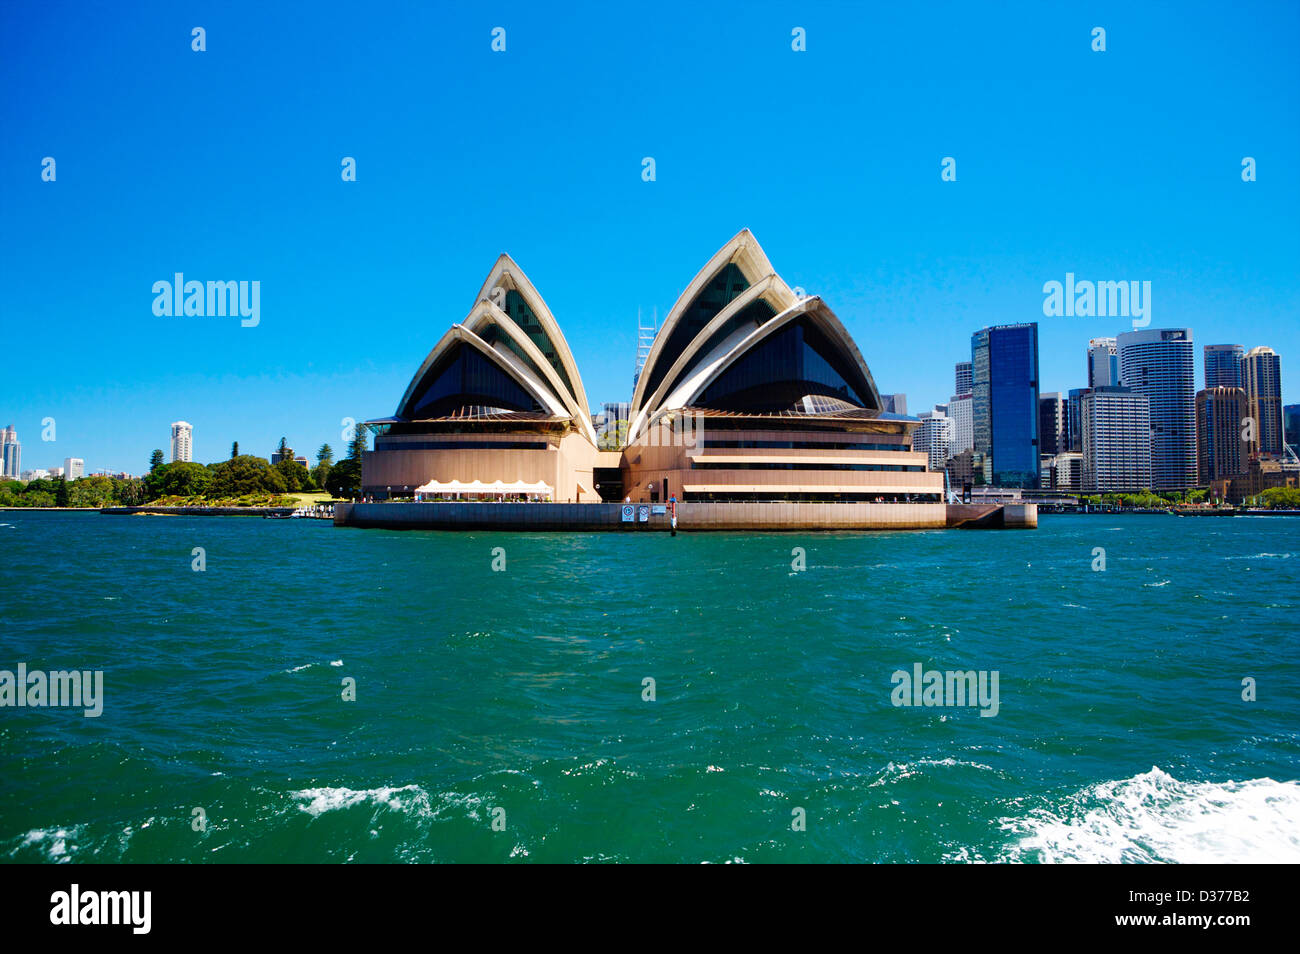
[[308, 499]]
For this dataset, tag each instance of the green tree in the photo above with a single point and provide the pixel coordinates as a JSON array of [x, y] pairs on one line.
[[93, 492], [284, 450], [295, 475], [128, 492], [320, 474], [155, 460], [185, 479], [61, 492], [234, 450], [245, 475], [1282, 498], [325, 455], [344, 479], [357, 446]]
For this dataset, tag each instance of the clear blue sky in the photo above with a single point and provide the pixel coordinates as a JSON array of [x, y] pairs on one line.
[[225, 165]]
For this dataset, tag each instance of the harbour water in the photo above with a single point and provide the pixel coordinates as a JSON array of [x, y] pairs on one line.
[[518, 695]]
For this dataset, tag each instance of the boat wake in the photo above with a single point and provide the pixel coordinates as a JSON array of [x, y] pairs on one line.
[[1153, 817]]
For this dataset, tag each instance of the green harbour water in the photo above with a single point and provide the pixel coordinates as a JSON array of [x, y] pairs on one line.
[[517, 695]]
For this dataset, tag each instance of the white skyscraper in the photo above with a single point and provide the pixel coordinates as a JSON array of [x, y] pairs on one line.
[[1117, 446], [933, 437], [73, 467], [963, 424], [182, 434]]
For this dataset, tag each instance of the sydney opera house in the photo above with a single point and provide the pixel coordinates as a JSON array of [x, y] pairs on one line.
[[750, 393]]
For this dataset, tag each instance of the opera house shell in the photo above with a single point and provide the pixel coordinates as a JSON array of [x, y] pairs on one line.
[[750, 393]]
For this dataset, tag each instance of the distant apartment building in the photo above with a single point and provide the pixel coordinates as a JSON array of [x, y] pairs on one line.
[[963, 379], [894, 403], [182, 438], [963, 424], [276, 457], [614, 414], [1160, 364], [1067, 472], [1117, 445], [11, 453], [1103, 363], [1004, 403], [1262, 381], [1223, 366], [73, 468], [1221, 454], [1053, 424], [934, 436]]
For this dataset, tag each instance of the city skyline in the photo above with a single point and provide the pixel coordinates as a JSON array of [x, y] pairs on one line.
[[872, 226], [1203, 357]]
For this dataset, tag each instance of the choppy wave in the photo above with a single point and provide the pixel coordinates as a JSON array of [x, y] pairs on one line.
[[407, 799], [895, 772], [57, 845], [1153, 817]]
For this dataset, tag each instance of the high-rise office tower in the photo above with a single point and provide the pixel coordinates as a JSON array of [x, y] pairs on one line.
[[1074, 419], [1053, 424], [962, 379], [11, 453], [963, 434], [1223, 366], [1116, 440], [73, 467], [1160, 363], [1220, 451], [182, 438], [1262, 380], [934, 436], [1004, 406], [1103, 363]]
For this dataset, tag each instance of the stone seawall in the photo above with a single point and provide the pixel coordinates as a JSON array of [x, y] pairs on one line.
[[690, 516]]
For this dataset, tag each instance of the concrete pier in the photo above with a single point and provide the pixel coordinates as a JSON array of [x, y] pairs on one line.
[[690, 516]]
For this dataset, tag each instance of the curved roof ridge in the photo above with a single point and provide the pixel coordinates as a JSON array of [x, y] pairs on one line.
[[770, 286], [742, 248], [459, 334], [487, 311], [812, 306], [507, 270]]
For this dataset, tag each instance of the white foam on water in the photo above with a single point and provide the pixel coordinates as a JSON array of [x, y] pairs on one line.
[[1153, 817], [318, 801], [53, 842]]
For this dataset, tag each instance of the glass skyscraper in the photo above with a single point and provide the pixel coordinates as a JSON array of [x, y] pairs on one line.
[[1004, 366], [1291, 427], [1223, 366], [1160, 363], [962, 378]]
